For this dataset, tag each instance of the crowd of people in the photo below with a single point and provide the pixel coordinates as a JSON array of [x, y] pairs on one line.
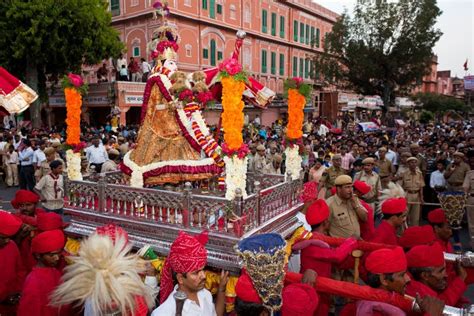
[[362, 191]]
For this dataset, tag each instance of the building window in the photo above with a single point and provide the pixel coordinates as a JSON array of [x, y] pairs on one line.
[[295, 31], [188, 49], [295, 66], [273, 63], [213, 52], [247, 14], [204, 4], [264, 61], [282, 65], [312, 41], [205, 53], [134, 3], [282, 26], [307, 34], [187, 3], [219, 9], [232, 12], [136, 51], [317, 38], [212, 9], [115, 7], [219, 55], [264, 21], [301, 68], [306, 68], [301, 32], [274, 23]]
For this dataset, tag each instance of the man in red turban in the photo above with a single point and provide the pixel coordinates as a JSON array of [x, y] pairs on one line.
[[318, 255], [441, 228], [394, 212], [416, 236], [12, 272], [367, 228], [45, 277], [184, 271], [25, 202], [427, 266]]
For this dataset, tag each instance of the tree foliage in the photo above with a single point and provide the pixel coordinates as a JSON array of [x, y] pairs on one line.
[[439, 104], [383, 47], [44, 39]]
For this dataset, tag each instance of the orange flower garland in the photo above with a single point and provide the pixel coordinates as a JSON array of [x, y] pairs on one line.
[[296, 104], [233, 115], [73, 119]]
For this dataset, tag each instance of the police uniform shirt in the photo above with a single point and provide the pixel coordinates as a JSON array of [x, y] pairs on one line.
[[343, 218]]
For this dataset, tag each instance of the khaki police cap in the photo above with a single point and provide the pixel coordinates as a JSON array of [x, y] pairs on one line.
[[382, 149], [336, 156], [412, 159], [113, 152], [368, 161], [405, 154], [343, 180], [49, 150], [278, 158], [414, 146], [260, 147], [458, 154]]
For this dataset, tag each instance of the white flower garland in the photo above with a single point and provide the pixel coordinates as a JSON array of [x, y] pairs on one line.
[[293, 162], [73, 165], [235, 176], [137, 171]]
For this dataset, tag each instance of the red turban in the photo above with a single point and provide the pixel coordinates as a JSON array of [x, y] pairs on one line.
[[299, 300], [49, 221], [48, 241], [9, 224], [317, 212], [362, 187], [425, 256], [437, 216], [245, 290], [394, 206], [386, 261], [24, 196], [112, 231], [417, 235], [187, 254], [333, 191], [310, 192]]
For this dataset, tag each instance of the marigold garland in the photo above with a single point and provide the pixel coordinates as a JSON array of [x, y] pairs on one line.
[[233, 115], [296, 104], [73, 119]]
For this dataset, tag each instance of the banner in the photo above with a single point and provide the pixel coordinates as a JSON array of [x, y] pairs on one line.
[[469, 83]]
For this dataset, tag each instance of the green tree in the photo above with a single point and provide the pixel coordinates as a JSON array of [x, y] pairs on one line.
[[44, 39], [439, 104], [383, 47]]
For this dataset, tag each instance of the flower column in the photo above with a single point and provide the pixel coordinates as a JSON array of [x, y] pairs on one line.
[[74, 87], [297, 92], [234, 149]]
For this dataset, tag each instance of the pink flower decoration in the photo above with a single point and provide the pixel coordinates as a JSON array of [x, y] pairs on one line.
[[298, 80], [204, 97], [76, 80], [231, 66], [157, 4], [186, 95], [165, 44]]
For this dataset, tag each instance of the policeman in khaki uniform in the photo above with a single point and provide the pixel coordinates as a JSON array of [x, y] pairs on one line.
[[371, 178], [412, 182], [468, 187], [345, 210], [329, 176], [384, 165], [259, 162], [456, 172], [422, 163]]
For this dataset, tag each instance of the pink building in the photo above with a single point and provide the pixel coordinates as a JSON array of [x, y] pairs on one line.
[[280, 37]]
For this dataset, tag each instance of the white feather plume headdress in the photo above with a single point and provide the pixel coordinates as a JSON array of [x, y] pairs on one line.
[[106, 275]]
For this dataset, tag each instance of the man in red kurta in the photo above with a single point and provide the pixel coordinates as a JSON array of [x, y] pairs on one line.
[[12, 272], [317, 255], [394, 212], [44, 277], [25, 202], [367, 228], [427, 266]]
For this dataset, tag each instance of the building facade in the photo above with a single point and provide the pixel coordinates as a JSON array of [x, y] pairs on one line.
[[281, 37]]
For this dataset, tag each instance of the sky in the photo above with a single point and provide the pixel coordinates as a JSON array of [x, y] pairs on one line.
[[457, 24]]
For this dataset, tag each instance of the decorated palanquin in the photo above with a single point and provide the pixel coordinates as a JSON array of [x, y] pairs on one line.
[[174, 143]]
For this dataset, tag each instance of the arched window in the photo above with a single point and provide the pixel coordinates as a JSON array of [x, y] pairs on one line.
[[188, 49], [232, 12], [213, 52]]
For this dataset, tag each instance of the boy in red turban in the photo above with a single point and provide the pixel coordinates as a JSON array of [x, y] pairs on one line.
[[318, 255], [45, 277], [25, 203], [12, 272], [184, 271], [428, 269], [394, 212]]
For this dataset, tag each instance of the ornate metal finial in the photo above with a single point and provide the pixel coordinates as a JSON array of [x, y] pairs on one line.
[[241, 34]]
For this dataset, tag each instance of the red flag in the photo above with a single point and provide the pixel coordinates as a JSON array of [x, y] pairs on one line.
[[465, 66]]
